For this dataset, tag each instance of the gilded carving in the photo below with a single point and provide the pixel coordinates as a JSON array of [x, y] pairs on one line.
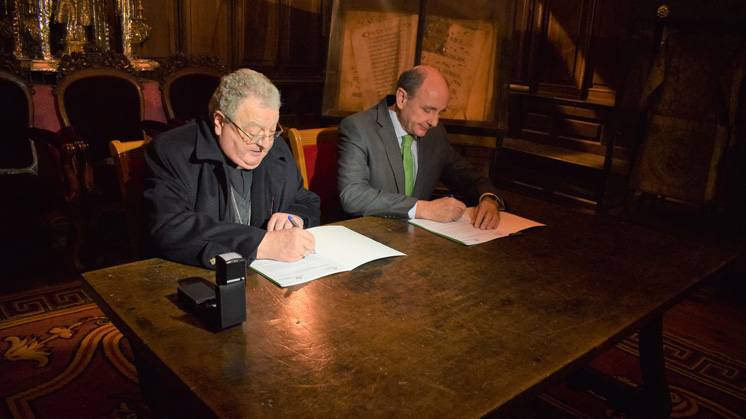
[[76, 15], [27, 26]]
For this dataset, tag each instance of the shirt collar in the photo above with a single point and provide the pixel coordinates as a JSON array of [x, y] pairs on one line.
[[397, 125]]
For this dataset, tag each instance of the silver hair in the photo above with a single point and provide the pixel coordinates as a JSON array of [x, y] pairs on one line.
[[242, 83]]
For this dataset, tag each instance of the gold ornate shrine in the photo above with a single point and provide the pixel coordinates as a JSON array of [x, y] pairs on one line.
[[43, 31]]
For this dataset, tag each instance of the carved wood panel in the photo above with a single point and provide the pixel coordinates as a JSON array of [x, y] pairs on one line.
[[565, 63], [188, 26], [569, 48], [282, 37]]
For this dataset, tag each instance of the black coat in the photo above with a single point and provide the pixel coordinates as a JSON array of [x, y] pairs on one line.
[[187, 196]]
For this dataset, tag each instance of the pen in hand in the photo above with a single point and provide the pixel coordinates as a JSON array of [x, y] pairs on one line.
[[290, 217]]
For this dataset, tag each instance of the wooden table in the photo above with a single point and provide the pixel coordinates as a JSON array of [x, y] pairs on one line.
[[448, 331]]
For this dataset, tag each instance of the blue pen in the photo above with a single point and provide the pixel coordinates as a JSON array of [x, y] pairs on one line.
[[290, 217]]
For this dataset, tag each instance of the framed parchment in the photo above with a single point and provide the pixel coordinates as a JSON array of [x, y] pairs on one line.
[[378, 46], [464, 52], [372, 41]]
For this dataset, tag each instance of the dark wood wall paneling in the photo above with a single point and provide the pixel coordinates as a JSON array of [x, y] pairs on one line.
[[284, 39], [287, 41], [564, 82]]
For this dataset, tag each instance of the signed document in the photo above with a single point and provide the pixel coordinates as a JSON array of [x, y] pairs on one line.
[[463, 232], [338, 249]]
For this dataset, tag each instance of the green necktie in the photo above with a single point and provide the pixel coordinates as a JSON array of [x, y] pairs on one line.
[[406, 156]]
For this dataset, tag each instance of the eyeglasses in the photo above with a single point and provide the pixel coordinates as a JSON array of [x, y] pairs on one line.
[[256, 138]]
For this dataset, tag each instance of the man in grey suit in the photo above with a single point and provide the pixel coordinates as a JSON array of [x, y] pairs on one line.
[[371, 174]]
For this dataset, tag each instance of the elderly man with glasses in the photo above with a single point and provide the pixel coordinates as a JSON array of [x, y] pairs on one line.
[[229, 184]]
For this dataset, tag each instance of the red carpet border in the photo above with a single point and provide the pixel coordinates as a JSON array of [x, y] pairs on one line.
[[62, 358]]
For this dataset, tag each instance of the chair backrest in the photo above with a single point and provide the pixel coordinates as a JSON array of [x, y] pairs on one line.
[[315, 153], [16, 102], [100, 105], [186, 93], [129, 162], [17, 152]]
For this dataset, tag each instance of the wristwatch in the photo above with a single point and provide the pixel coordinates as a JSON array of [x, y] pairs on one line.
[[500, 202]]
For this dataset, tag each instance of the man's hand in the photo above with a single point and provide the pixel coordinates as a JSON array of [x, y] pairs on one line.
[[280, 221], [286, 245], [486, 216], [444, 210]]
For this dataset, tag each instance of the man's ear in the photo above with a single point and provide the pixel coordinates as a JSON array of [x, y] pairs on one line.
[[217, 122], [401, 97]]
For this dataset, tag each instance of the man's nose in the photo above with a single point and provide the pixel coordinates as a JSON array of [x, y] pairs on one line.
[[432, 121]]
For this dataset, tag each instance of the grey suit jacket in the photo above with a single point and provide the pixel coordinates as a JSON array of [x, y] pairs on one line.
[[371, 173]]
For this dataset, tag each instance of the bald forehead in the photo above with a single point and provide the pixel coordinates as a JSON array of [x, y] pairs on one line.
[[434, 91], [431, 73]]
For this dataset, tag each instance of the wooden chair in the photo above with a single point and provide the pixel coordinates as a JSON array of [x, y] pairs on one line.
[[187, 85], [41, 184], [129, 162], [315, 153], [99, 105]]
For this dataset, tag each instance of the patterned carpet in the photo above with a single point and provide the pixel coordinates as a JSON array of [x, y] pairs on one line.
[[703, 383], [62, 358]]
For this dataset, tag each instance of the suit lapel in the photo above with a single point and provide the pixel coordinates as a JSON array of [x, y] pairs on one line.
[[390, 143]]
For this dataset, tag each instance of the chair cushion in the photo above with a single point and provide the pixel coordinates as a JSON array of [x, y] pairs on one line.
[[321, 168]]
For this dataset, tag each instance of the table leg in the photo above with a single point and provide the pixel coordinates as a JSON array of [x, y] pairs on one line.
[[164, 400], [654, 399], [656, 395]]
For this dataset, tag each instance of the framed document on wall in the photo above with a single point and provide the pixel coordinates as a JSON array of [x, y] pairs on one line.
[[372, 41]]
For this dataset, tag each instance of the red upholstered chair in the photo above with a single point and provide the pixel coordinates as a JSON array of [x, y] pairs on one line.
[[315, 153], [41, 184], [100, 99]]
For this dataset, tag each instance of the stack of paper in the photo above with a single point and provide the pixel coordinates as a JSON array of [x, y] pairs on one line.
[[463, 232], [338, 249]]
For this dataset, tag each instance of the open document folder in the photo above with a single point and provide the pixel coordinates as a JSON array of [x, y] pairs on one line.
[[338, 249], [463, 232]]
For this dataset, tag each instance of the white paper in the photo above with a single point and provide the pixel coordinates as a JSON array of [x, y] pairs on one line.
[[338, 249], [463, 232]]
